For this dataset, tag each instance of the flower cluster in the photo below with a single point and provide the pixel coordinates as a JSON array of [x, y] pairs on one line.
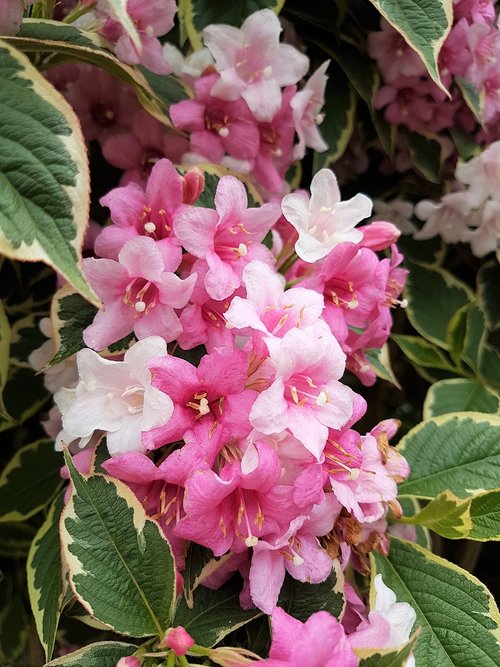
[[246, 110], [469, 56], [471, 213], [259, 457]]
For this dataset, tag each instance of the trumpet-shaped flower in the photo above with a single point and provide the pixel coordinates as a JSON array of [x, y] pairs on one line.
[[305, 396], [115, 397], [307, 105], [138, 293], [228, 238], [323, 221], [253, 64]]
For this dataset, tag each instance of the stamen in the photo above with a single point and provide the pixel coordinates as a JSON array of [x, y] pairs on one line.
[[223, 132], [322, 398], [267, 71], [140, 306], [150, 227]]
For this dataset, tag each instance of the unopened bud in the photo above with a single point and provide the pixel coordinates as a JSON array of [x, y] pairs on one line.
[[178, 640], [129, 661], [379, 235]]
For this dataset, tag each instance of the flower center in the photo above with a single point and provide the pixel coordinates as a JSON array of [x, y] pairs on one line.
[[141, 295], [301, 390]]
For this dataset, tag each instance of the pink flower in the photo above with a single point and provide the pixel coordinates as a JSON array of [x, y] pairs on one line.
[[297, 552], [128, 661], [319, 642], [149, 213], [253, 64], [139, 294], [227, 238], [152, 19], [210, 396], [139, 149], [305, 396], [323, 221], [217, 127], [268, 309], [392, 53], [307, 105]]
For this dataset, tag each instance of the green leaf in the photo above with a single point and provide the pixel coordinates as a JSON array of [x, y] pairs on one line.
[[214, 615], [459, 395], [455, 333], [70, 315], [167, 88], [422, 353], [392, 657], [477, 352], [446, 515], [485, 516], [457, 614], [29, 481], [424, 24], [428, 252], [198, 14], [16, 539], [488, 282], [426, 153], [434, 296], [380, 362], [46, 583], [473, 98], [338, 125], [44, 176], [24, 395], [458, 452], [121, 566], [70, 43], [410, 507], [13, 622], [301, 600], [101, 654]]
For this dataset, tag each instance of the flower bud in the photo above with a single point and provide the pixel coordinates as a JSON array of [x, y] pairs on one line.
[[128, 661], [178, 640], [379, 235]]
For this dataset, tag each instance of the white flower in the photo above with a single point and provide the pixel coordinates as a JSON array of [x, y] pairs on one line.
[[400, 615], [115, 397], [323, 220]]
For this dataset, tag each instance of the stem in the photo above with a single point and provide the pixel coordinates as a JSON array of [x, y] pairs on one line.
[[289, 261]]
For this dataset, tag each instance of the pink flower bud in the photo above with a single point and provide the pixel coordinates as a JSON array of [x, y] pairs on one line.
[[178, 640], [128, 661], [379, 235], [193, 184]]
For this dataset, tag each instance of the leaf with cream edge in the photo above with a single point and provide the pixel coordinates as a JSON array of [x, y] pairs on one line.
[[29, 481], [458, 452], [44, 173], [120, 565], [117, 10], [488, 283], [422, 353], [5, 338], [459, 395], [424, 25], [381, 365], [476, 518], [459, 620], [46, 581], [70, 315], [389, 657], [100, 654], [198, 14]]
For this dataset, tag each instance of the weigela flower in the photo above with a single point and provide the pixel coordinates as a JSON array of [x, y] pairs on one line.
[[135, 212], [307, 105], [227, 238], [139, 293], [323, 221], [253, 64], [178, 639], [305, 396], [11, 15], [115, 397]]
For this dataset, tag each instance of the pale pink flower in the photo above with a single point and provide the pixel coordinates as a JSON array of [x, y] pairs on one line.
[[268, 309], [448, 218], [152, 19], [323, 221], [139, 294], [389, 623], [188, 68], [217, 127], [307, 105], [226, 238], [149, 213], [484, 237], [398, 211], [128, 661], [306, 396], [115, 397], [481, 174], [393, 54], [253, 64], [475, 10]]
